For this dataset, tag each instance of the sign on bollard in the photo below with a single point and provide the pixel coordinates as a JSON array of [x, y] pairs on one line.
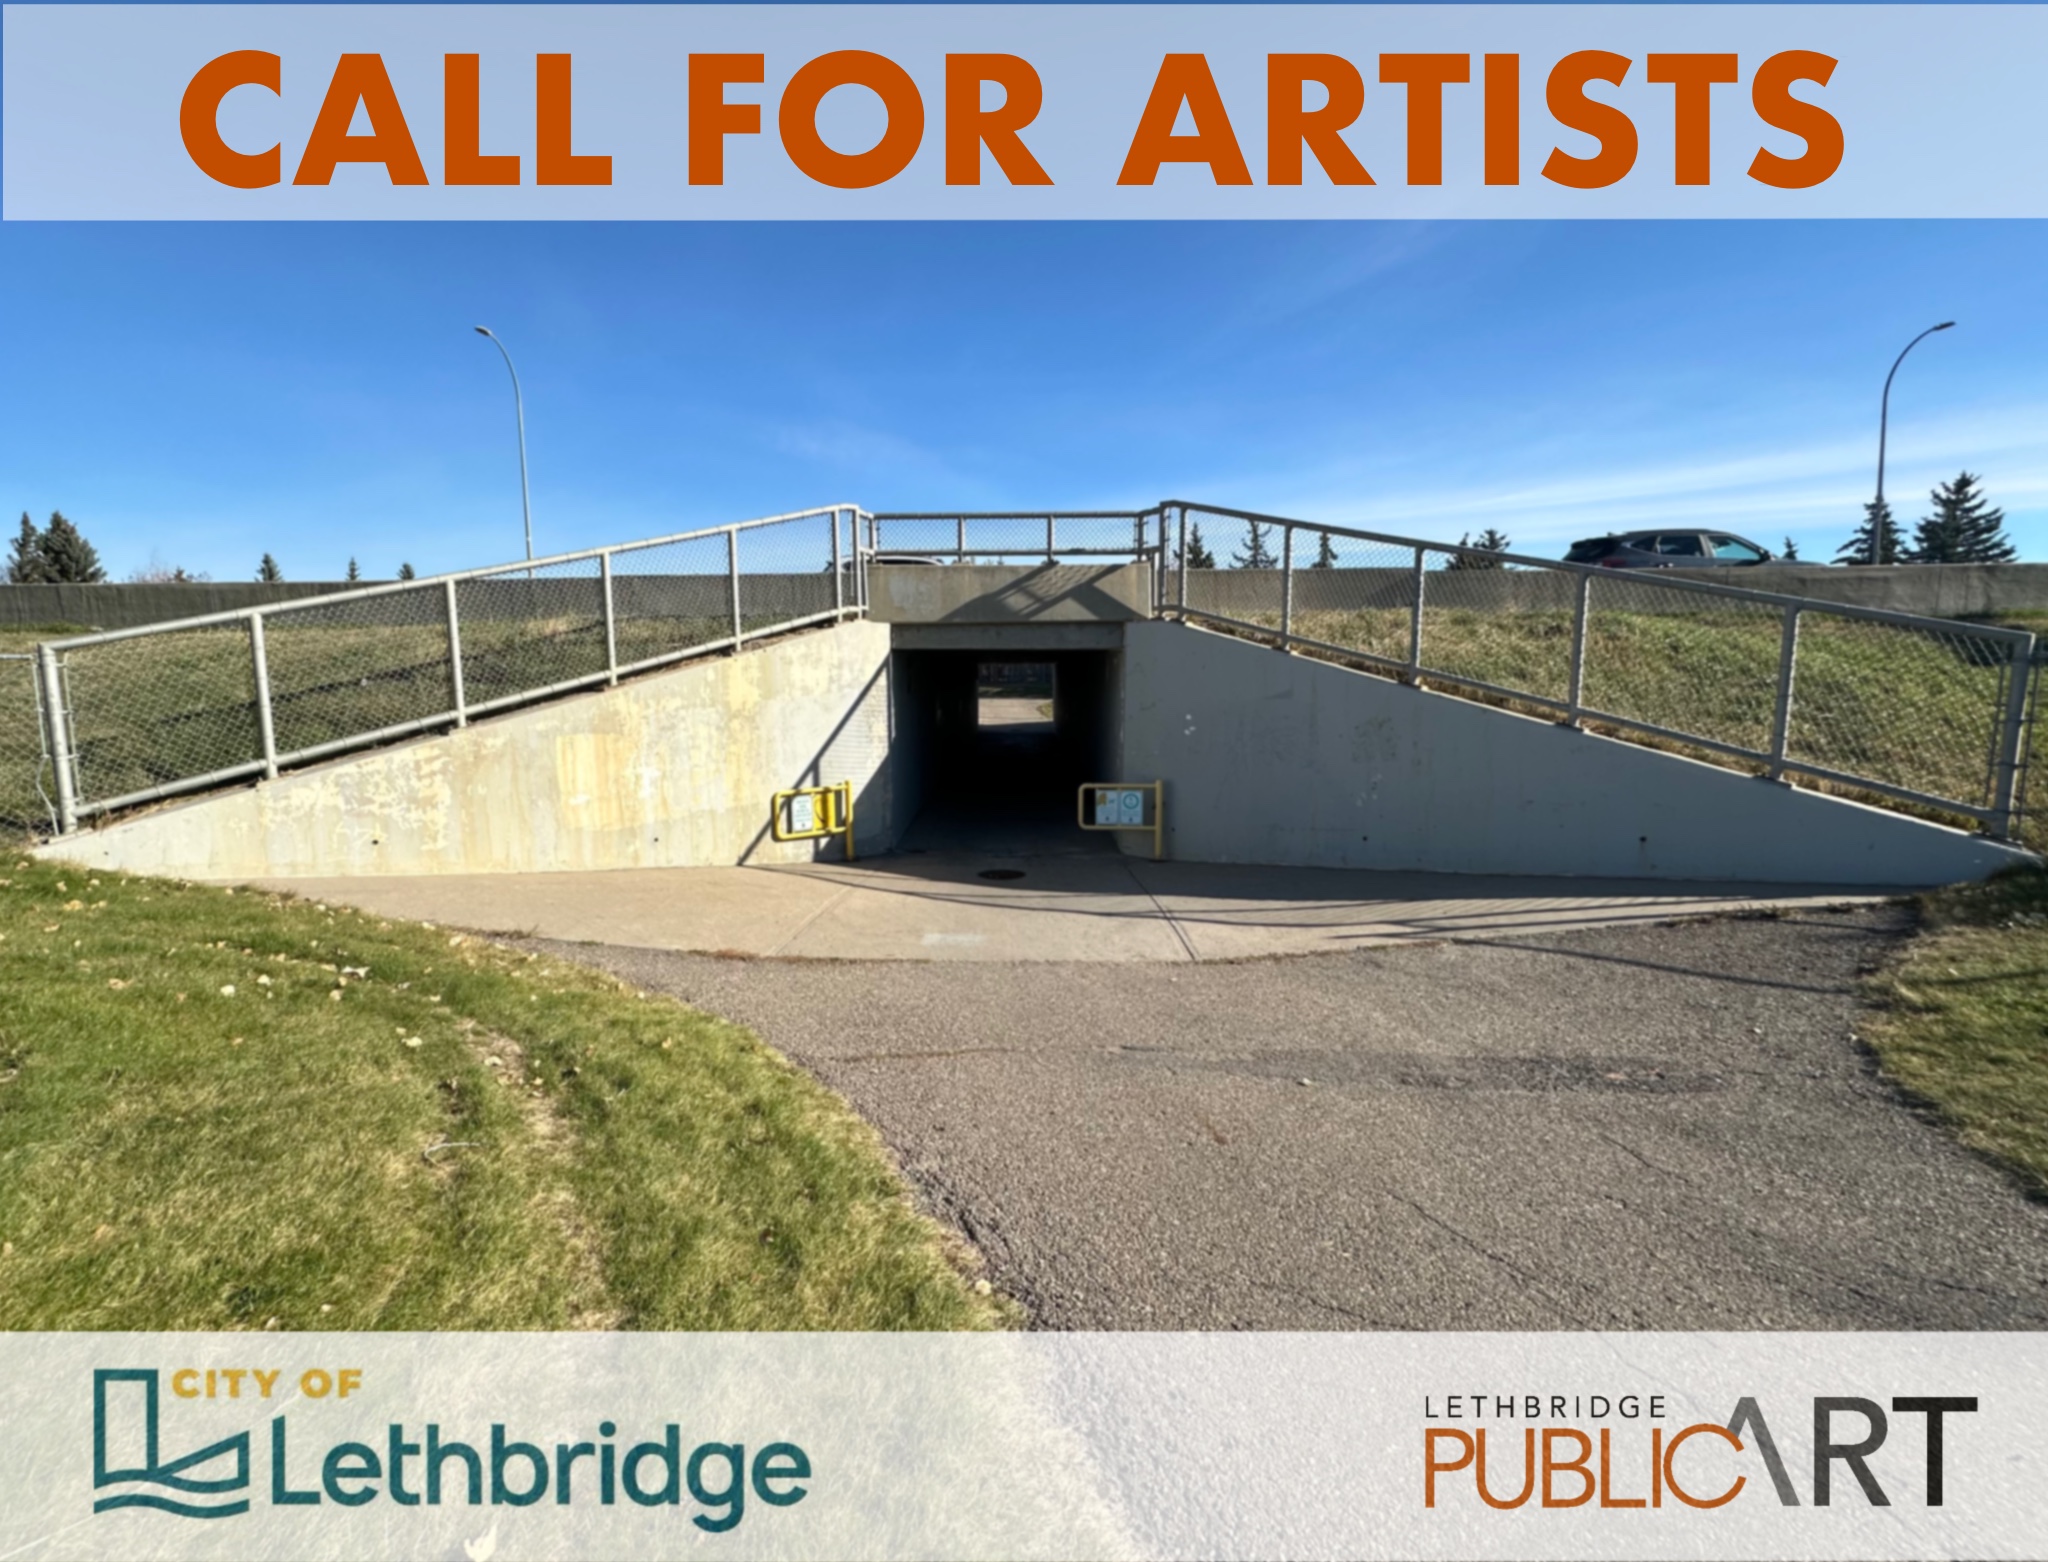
[[1126, 805], [811, 813]]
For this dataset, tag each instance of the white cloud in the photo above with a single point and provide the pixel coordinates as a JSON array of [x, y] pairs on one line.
[[1552, 496]]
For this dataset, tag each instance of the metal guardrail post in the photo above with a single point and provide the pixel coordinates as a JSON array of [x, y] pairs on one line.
[[1286, 585], [1415, 625], [1781, 715], [732, 566], [960, 542], [611, 621], [1183, 561], [2012, 745], [1048, 539], [57, 732], [838, 569], [455, 657], [1159, 558], [264, 726], [1575, 699]]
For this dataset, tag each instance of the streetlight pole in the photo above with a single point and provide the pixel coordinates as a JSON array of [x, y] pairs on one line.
[[1884, 408], [519, 408]]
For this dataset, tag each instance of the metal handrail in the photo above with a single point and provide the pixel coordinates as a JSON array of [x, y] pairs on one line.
[[2000, 815], [393, 587], [57, 719], [854, 551], [1645, 577]]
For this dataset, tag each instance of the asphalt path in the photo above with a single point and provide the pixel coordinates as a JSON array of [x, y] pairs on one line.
[[1653, 1127]]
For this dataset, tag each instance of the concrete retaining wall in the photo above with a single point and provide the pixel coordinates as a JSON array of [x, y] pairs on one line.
[[671, 770], [1271, 758], [762, 597], [1937, 590]]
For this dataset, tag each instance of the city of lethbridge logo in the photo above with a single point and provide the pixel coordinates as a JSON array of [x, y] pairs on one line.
[[126, 1454]]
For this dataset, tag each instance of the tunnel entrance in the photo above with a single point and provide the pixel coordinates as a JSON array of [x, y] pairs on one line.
[[991, 746]]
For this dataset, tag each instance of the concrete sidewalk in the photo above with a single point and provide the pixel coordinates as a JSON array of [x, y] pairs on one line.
[[1097, 907]]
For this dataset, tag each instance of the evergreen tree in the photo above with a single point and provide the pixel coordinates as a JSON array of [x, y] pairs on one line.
[[1964, 528], [1491, 540], [405, 572], [355, 571], [1199, 556], [268, 569], [1891, 542], [1791, 553], [1326, 552], [67, 556], [25, 563], [1257, 553]]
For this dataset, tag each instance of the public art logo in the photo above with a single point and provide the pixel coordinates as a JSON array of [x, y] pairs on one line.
[[125, 1417], [1572, 1451]]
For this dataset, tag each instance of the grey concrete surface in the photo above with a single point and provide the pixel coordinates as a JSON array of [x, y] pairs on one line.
[[1652, 1127], [1072, 899], [1283, 759]]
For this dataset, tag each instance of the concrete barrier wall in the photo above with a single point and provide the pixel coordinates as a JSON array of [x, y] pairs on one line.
[[1008, 593], [671, 770], [1270, 758], [498, 597], [109, 606], [1036, 593], [1937, 590]]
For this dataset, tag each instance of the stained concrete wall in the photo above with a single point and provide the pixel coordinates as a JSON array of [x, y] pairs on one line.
[[1270, 758], [674, 769]]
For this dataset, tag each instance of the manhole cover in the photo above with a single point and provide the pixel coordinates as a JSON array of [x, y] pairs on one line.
[[1001, 873]]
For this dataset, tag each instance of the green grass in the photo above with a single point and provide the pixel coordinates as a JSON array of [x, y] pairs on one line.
[[1963, 1020], [26, 637], [465, 1138]]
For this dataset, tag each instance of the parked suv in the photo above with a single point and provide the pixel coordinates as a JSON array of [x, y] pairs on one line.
[[1667, 550]]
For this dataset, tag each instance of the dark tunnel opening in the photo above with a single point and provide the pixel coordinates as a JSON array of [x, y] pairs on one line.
[[992, 746]]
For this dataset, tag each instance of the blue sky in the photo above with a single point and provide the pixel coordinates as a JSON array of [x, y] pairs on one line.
[[199, 394], [202, 394]]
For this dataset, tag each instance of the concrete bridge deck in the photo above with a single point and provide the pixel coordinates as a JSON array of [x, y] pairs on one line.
[[1091, 907]]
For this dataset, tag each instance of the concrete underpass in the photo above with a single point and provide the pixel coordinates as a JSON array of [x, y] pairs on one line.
[[1268, 760]]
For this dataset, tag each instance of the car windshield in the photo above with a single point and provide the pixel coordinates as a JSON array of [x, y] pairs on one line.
[[1686, 543], [1735, 548]]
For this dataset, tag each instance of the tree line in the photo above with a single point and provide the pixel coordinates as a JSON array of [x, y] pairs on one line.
[[1964, 528], [1257, 552], [59, 555]]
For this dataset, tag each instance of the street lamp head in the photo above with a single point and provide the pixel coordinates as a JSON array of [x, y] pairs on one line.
[[1944, 325], [484, 330]]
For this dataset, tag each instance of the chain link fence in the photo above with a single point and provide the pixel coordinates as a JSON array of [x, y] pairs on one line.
[[1885, 706], [25, 808], [148, 713]]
